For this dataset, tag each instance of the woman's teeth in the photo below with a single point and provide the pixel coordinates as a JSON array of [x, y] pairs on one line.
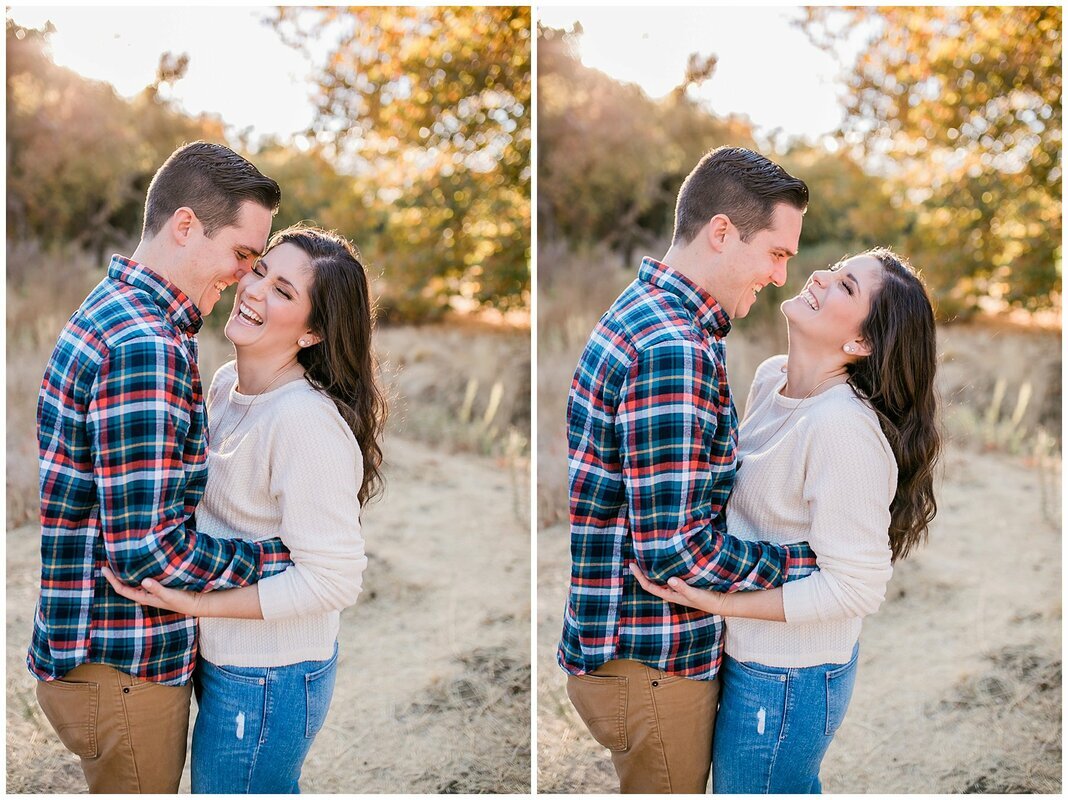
[[810, 298], [250, 315]]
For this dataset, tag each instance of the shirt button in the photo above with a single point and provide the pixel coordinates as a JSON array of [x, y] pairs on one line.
[[656, 683]]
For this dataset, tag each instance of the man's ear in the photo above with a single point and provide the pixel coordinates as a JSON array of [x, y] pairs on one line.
[[717, 231], [182, 225]]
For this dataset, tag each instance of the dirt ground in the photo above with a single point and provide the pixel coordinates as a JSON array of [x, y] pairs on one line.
[[433, 690], [959, 686]]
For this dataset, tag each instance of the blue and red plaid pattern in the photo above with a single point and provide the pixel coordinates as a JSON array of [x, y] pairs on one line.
[[121, 430], [652, 444]]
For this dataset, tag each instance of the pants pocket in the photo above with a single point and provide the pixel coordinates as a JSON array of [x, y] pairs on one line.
[[601, 703], [839, 692], [71, 709], [319, 689]]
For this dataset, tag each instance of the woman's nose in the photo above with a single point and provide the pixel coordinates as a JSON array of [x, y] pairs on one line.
[[818, 277]]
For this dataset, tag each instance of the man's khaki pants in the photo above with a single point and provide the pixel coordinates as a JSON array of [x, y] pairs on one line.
[[129, 733], [657, 726]]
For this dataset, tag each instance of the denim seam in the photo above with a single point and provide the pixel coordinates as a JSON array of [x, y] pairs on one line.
[[784, 729], [263, 731]]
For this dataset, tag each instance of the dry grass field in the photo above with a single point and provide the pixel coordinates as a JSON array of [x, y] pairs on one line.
[[433, 690], [959, 688]]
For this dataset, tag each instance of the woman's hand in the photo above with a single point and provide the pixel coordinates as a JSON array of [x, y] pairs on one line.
[[153, 593], [681, 593]]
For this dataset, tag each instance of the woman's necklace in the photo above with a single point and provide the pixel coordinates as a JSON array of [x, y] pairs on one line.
[[255, 397], [794, 409]]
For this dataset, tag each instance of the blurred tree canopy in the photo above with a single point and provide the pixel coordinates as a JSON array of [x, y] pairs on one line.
[[420, 151], [963, 105], [429, 109], [611, 159], [79, 156]]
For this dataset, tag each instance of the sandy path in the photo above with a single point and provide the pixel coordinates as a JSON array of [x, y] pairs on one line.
[[959, 687], [434, 682]]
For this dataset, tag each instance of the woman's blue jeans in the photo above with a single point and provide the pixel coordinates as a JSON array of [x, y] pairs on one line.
[[775, 724], [255, 725]]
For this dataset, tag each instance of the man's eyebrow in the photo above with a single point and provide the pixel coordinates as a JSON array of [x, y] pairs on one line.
[[251, 250], [789, 253]]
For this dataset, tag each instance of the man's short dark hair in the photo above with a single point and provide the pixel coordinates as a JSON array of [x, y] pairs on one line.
[[212, 180], [743, 185]]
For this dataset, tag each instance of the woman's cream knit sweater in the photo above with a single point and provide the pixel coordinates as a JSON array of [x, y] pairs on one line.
[[284, 464], [827, 476]]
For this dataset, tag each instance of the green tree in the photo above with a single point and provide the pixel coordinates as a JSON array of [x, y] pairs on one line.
[[962, 106], [429, 109], [79, 156], [610, 158]]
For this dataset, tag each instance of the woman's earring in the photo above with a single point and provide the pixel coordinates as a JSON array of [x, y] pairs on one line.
[[849, 348], [303, 342]]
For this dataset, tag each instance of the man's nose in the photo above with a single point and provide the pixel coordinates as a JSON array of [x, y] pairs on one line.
[[778, 277]]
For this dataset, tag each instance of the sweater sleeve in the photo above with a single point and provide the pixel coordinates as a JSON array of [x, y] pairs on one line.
[[850, 479], [315, 472]]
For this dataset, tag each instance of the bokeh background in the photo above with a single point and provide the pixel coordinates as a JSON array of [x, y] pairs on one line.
[[936, 131], [408, 131]]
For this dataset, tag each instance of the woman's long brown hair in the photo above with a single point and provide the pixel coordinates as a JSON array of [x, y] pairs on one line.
[[343, 365], [897, 378]]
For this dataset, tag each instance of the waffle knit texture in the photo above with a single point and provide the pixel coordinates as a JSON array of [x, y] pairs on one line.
[[284, 463], [828, 477]]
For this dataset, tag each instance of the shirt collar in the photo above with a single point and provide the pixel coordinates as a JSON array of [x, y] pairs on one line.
[[699, 302], [165, 294]]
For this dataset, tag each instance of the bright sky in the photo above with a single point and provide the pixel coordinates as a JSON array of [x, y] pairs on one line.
[[238, 66], [767, 70]]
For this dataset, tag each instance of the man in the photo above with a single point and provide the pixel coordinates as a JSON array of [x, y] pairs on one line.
[[652, 435], [121, 428]]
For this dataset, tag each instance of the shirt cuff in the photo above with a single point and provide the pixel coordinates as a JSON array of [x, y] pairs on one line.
[[274, 557], [800, 561]]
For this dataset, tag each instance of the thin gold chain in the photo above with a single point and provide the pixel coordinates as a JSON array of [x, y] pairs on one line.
[[248, 408], [794, 409]]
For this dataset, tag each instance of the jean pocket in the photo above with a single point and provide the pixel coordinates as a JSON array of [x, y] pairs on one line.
[[601, 703], [319, 689], [839, 692], [71, 709]]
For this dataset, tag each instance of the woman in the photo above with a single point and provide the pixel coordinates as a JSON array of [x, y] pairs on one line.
[[294, 452], [837, 448]]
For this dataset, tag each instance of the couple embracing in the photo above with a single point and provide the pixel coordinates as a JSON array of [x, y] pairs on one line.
[[702, 634], [235, 528]]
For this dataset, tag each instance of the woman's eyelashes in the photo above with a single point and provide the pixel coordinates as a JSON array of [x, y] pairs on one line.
[[260, 271]]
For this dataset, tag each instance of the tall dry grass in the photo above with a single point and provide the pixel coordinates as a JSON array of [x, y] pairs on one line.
[[459, 397], [460, 386], [1000, 393], [998, 382]]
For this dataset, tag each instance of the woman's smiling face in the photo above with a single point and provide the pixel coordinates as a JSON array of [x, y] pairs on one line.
[[836, 301], [273, 303]]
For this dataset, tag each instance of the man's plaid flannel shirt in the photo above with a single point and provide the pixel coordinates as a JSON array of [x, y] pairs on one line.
[[121, 429], [652, 442]]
